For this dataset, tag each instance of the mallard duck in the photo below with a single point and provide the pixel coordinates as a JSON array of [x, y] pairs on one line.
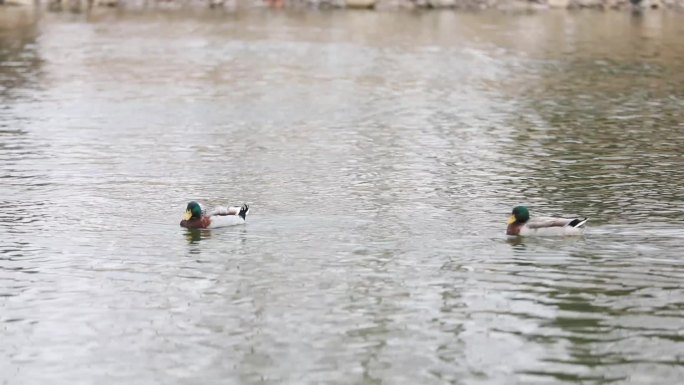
[[520, 223], [196, 218]]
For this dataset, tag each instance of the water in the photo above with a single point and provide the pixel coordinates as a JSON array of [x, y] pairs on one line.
[[381, 154]]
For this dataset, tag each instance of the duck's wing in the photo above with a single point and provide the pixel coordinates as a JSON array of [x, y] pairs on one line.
[[232, 210], [222, 210], [542, 222]]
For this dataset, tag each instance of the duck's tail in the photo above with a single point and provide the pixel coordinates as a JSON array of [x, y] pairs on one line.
[[243, 211], [577, 222]]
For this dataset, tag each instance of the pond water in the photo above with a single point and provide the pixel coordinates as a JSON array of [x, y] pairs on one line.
[[381, 154]]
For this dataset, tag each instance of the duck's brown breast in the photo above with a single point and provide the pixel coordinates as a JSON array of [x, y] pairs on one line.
[[197, 223], [513, 229]]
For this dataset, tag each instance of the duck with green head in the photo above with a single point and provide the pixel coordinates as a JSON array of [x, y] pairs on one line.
[[520, 223], [196, 218]]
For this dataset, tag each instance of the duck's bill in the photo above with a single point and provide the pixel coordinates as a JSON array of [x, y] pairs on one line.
[[511, 219], [187, 215]]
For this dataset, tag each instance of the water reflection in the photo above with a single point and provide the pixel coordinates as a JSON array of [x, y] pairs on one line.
[[622, 129], [20, 62]]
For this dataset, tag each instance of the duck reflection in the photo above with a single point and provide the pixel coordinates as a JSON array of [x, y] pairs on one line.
[[194, 236], [517, 242]]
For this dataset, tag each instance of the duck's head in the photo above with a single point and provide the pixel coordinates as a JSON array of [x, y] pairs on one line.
[[193, 210], [520, 214]]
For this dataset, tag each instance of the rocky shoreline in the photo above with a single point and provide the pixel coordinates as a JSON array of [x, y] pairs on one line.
[[468, 5]]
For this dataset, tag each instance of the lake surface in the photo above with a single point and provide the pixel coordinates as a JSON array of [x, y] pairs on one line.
[[381, 154]]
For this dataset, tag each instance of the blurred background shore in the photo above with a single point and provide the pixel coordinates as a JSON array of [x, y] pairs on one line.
[[378, 5]]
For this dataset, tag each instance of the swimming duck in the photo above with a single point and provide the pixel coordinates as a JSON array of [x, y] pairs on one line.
[[196, 218], [520, 223]]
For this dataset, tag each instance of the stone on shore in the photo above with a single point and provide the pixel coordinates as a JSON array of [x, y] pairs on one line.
[[18, 2], [559, 3], [442, 3], [360, 4]]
